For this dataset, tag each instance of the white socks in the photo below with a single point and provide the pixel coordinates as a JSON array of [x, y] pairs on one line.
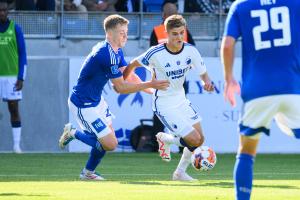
[[185, 160], [16, 137], [169, 138]]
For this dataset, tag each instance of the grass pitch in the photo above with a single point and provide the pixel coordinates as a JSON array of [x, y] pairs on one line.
[[139, 176]]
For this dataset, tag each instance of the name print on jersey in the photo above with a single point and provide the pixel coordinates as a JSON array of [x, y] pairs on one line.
[[177, 73]]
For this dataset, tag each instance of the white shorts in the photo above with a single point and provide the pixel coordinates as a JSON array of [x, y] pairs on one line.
[[95, 120], [180, 119], [258, 114], [7, 89]]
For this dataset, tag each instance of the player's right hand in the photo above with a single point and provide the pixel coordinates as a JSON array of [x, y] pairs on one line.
[[231, 87], [160, 84]]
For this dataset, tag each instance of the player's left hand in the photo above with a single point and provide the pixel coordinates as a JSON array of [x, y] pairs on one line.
[[18, 85], [231, 87]]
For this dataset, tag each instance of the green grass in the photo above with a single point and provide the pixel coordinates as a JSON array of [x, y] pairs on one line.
[[137, 176]]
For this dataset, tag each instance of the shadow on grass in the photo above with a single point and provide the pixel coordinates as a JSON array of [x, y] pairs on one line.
[[220, 184], [23, 195], [179, 184]]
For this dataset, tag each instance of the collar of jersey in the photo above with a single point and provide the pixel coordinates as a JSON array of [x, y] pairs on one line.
[[174, 53]]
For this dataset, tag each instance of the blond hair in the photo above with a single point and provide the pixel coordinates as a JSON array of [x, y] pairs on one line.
[[112, 21]]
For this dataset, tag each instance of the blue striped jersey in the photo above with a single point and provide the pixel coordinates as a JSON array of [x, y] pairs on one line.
[[270, 34], [100, 65]]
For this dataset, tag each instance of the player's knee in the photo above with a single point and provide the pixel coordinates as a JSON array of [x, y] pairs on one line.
[[198, 141], [110, 146], [202, 139]]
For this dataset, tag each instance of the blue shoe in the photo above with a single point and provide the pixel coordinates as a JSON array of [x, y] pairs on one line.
[[66, 137]]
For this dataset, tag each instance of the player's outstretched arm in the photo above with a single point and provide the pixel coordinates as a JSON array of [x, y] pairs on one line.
[[124, 87], [132, 77], [227, 58], [130, 69]]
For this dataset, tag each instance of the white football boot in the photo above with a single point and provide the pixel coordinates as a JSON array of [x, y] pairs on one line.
[[66, 137], [87, 175], [163, 147], [179, 175]]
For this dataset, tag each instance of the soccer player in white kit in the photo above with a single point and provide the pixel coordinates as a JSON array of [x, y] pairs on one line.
[[171, 61]]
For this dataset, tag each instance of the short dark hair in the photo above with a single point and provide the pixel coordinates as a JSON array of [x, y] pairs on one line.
[[174, 21], [112, 21]]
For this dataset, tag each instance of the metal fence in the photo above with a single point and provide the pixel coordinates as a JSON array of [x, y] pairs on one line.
[[37, 24]]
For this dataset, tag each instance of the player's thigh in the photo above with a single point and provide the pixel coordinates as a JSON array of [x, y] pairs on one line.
[[13, 107], [257, 116], [288, 116]]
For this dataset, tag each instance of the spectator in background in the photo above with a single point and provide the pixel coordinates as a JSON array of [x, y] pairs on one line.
[[12, 70], [98, 5], [11, 4], [71, 5], [184, 6], [159, 35], [128, 6], [201, 6], [41, 5], [213, 6]]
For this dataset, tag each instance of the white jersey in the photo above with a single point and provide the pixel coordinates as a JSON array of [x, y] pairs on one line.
[[174, 67], [171, 105]]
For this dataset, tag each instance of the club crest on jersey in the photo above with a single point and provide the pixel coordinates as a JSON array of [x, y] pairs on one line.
[[188, 60], [114, 69], [145, 61], [178, 62]]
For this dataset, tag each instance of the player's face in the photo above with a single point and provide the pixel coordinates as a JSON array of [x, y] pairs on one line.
[[3, 12], [119, 35], [176, 37]]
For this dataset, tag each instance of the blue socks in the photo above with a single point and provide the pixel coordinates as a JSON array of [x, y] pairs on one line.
[[88, 139], [243, 175], [94, 159], [97, 152], [183, 143]]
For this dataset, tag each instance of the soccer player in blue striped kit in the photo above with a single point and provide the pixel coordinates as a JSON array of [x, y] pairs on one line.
[[270, 89], [105, 62]]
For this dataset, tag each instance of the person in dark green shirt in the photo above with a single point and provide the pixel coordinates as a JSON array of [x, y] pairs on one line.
[[12, 69]]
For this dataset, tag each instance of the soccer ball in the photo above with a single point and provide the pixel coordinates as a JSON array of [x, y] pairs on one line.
[[204, 158]]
